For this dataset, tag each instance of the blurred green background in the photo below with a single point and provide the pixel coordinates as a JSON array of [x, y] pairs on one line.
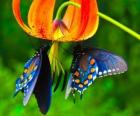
[[111, 96]]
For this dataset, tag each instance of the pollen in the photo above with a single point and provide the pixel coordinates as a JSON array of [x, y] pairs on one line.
[[58, 34], [92, 61], [59, 30], [90, 76]]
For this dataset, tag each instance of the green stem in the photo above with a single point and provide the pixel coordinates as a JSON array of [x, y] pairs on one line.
[[59, 12], [121, 26]]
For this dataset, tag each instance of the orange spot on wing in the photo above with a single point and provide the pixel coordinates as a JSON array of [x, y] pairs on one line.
[[80, 85], [77, 74], [31, 68], [92, 61], [92, 70], [90, 76], [77, 81], [86, 82]]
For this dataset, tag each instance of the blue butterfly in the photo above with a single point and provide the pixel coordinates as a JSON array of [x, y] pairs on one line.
[[89, 64], [36, 79]]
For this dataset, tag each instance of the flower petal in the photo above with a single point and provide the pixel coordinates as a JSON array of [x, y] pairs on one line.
[[82, 22], [40, 17], [16, 11]]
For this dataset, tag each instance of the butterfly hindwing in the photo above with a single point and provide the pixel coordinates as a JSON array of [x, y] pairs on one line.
[[27, 80], [108, 63], [28, 90], [83, 72], [69, 87]]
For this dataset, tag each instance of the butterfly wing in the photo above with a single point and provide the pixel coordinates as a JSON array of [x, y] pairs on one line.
[[108, 63], [69, 87], [28, 90], [42, 89], [89, 63], [27, 81]]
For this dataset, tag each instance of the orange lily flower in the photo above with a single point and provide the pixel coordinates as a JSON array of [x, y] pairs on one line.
[[77, 24]]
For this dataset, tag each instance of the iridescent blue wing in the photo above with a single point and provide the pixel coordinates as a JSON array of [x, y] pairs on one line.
[[28, 90], [89, 63], [36, 79], [42, 89], [108, 63], [27, 80]]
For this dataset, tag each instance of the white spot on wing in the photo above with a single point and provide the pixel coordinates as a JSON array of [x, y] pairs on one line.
[[89, 83], [100, 73], [84, 89], [96, 69], [105, 72], [113, 70], [109, 70], [94, 78], [79, 91]]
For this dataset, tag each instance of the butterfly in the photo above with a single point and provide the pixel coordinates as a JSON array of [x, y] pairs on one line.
[[36, 79], [91, 63]]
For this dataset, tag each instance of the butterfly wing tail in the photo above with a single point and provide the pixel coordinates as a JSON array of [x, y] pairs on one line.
[[69, 87]]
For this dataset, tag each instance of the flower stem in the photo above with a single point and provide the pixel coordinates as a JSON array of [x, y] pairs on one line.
[[60, 9], [118, 24]]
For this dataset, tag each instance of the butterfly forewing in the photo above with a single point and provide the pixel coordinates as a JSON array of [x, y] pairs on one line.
[[43, 86]]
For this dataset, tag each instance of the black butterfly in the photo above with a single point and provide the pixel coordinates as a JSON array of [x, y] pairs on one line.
[[36, 79], [89, 64]]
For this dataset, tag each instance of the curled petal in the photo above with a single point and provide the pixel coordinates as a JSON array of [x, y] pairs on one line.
[[82, 23], [16, 11], [40, 17]]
